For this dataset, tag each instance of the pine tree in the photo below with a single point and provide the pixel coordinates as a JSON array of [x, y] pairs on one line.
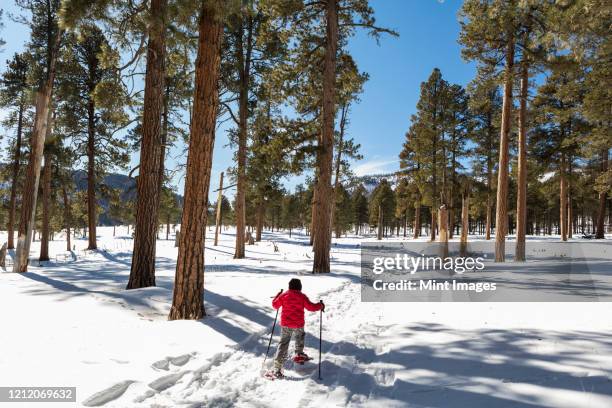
[[187, 301], [382, 208], [488, 34], [92, 110], [142, 273], [45, 43], [485, 105], [560, 125], [343, 218], [252, 44], [14, 94], [359, 205], [169, 209]]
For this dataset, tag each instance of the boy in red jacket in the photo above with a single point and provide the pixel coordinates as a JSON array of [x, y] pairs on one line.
[[293, 303]]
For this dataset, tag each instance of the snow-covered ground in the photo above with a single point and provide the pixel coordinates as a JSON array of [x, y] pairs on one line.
[[71, 323]]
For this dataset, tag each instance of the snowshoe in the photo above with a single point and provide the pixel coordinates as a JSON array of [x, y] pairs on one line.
[[301, 358], [274, 375]]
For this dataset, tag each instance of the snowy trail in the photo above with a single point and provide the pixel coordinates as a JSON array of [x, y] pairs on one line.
[[233, 378]]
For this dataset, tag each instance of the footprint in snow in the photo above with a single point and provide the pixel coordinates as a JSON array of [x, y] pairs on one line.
[[178, 361], [108, 394]]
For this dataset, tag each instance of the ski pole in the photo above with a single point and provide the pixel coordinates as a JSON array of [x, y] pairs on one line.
[[270, 341], [272, 333], [320, 339]]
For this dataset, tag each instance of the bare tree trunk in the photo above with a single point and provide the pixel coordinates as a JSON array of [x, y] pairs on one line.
[[218, 215], [37, 141], [465, 223], [91, 175], [501, 216], [67, 218], [46, 195], [417, 219], [562, 199], [489, 208], [142, 273], [15, 180], [343, 116], [260, 219], [379, 234], [244, 62], [312, 212], [601, 210], [188, 298], [443, 238], [321, 214], [168, 228], [570, 213], [521, 200]]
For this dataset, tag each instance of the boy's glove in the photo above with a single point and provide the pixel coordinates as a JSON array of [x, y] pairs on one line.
[[322, 305]]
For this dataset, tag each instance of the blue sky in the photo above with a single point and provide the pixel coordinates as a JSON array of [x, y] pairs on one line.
[[428, 38]]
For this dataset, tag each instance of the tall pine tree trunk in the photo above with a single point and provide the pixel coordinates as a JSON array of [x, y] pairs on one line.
[[489, 208], [244, 62], [521, 199], [443, 237], [46, 195], [501, 216], [562, 199], [417, 219], [91, 176], [37, 142], [465, 223], [188, 298], [322, 212], [15, 180], [67, 217], [260, 219], [343, 117], [601, 210], [218, 212], [379, 234], [142, 273], [570, 213]]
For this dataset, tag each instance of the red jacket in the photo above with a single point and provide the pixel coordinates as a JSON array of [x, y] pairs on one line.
[[293, 303]]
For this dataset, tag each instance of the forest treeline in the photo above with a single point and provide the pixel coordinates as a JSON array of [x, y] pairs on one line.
[[522, 149]]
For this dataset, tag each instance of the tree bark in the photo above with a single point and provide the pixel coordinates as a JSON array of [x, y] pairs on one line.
[[67, 218], [443, 237], [343, 117], [260, 219], [218, 215], [417, 219], [562, 199], [244, 61], [465, 223], [46, 213], [521, 199], [501, 216], [15, 180], [142, 273], [379, 234], [601, 210], [570, 213], [188, 298], [321, 214], [37, 141], [91, 175]]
